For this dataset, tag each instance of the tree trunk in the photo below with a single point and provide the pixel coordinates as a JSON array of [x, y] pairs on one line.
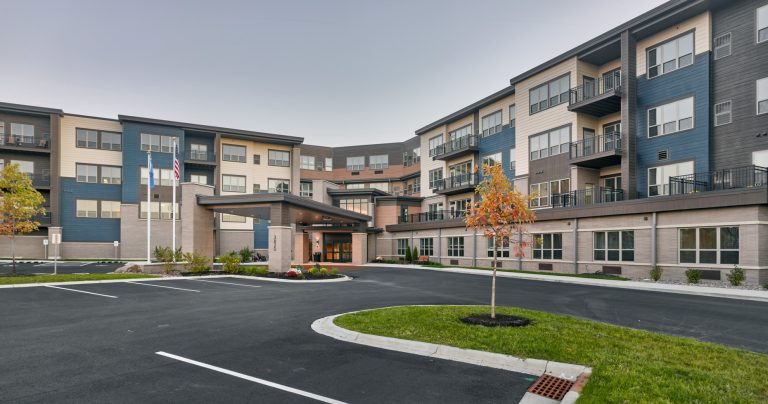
[[493, 282], [13, 253]]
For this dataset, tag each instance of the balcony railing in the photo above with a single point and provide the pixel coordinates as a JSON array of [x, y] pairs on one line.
[[596, 144], [597, 97], [458, 182], [455, 146], [32, 142], [40, 179], [45, 219], [593, 88], [435, 216], [584, 197], [731, 178], [197, 155]]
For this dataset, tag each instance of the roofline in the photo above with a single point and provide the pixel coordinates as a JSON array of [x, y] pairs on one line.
[[262, 136], [29, 108], [506, 91], [90, 117]]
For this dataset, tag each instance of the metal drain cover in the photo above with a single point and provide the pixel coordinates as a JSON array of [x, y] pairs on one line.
[[551, 387]]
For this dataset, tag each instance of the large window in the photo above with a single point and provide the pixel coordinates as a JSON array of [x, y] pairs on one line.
[[200, 179], [435, 176], [709, 245], [87, 208], [233, 183], [111, 141], [614, 246], [328, 164], [87, 138], [502, 250], [110, 209], [427, 247], [549, 94], [160, 210], [762, 95], [87, 173], [200, 152], [158, 143], [551, 143], [359, 205], [762, 24], [548, 246], [355, 163], [670, 56], [491, 159], [378, 162], [434, 144], [455, 246], [279, 185], [458, 208], [230, 152], [512, 115], [163, 176], [658, 177], [305, 189], [402, 246], [307, 162], [381, 186], [24, 132], [491, 123], [26, 167], [462, 132], [111, 175], [279, 158], [670, 118], [543, 191]]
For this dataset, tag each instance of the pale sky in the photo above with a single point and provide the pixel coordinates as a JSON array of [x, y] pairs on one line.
[[336, 72]]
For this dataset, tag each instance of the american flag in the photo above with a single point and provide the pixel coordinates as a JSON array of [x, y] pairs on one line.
[[176, 170]]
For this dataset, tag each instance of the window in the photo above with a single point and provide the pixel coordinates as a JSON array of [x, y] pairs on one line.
[[166, 211], [378, 162], [199, 179], [722, 45], [435, 143], [544, 190], [86, 208], [157, 143], [455, 246], [307, 162], [548, 246], [110, 209], [491, 124], [402, 246], [417, 184], [611, 80], [87, 138], [111, 175], [760, 158], [460, 133], [670, 56], [232, 183], [549, 94], [435, 176], [256, 188], [155, 206], [458, 208], [257, 159], [87, 173], [502, 250], [230, 152], [163, 176], [199, 152], [359, 205], [427, 247], [355, 186], [355, 163], [111, 141], [279, 158], [166, 177], [23, 132], [670, 118], [762, 24], [554, 142], [512, 116], [278, 185], [762, 95], [723, 113], [226, 217], [492, 159], [512, 160], [328, 164], [709, 245], [381, 186], [26, 167], [305, 189], [614, 246], [658, 177], [435, 210]]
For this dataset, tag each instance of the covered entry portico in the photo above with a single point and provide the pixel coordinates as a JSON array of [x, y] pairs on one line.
[[290, 217]]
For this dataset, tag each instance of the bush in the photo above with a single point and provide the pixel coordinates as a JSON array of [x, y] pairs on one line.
[[335, 272], [693, 275], [196, 262], [252, 270], [656, 272], [163, 254], [314, 271], [415, 254], [736, 276], [765, 285], [408, 255], [231, 262], [245, 254], [323, 272]]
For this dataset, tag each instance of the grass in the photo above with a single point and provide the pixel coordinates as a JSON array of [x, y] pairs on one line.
[[16, 280], [590, 276], [628, 365]]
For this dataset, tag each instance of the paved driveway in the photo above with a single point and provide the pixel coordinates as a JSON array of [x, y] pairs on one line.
[[63, 267]]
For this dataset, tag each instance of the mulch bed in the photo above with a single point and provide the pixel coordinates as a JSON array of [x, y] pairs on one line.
[[501, 320]]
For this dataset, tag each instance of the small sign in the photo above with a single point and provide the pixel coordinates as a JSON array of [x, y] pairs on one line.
[[116, 243], [56, 238], [45, 241]]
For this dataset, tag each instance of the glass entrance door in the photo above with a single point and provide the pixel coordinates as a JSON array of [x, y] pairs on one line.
[[337, 247]]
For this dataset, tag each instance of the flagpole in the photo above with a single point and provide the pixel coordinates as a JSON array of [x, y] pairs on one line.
[[149, 206], [173, 204]]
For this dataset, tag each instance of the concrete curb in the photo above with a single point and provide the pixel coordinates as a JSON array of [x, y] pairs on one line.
[[740, 294], [172, 278], [343, 278]]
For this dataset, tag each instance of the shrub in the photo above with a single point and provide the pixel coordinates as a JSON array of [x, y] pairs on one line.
[[314, 271], [231, 262], [335, 272], [415, 254], [323, 272], [245, 254], [656, 272], [765, 285], [408, 255], [196, 262], [163, 254], [693, 275], [736, 276], [252, 270], [300, 275]]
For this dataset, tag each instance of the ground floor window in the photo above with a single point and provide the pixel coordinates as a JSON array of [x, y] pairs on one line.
[[455, 246], [402, 246], [110, 209], [87, 208], [548, 246], [709, 245], [160, 210], [614, 246], [502, 250], [427, 247], [226, 217]]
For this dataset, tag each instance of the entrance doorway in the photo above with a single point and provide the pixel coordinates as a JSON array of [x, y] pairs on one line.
[[337, 247]]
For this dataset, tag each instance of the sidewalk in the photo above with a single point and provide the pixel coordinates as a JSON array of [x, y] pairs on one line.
[[756, 295]]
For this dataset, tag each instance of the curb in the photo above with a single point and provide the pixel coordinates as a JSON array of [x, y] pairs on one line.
[[343, 278]]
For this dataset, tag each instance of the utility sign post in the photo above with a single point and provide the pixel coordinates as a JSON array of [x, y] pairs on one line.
[[56, 240]]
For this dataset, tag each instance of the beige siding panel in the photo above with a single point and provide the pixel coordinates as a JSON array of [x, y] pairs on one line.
[[701, 41], [427, 163], [503, 105], [71, 154], [459, 123]]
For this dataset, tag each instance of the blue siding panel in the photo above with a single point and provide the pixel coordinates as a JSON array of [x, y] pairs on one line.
[[500, 142], [260, 234], [87, 229], [134, 157]]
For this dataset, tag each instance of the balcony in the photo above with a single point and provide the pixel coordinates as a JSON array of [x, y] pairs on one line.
[[32, 143], [457, 184], [428, 217], [731, 178], [45, 219], [597, 97], [585, 197], [40, 179], [200, 157], [457, 147], [597, 151]]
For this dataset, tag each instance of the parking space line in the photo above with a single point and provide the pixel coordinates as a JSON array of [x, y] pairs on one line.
[[225, 283], [81, 291], [84, 264], [251, 378], [161, 286]]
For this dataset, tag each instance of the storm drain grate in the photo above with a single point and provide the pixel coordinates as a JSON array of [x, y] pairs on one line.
[[551, 387]]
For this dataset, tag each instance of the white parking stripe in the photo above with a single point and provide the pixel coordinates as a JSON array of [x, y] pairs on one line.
[[85, 263], [252, 379], [161, 286], [81, 291], [225, 283]]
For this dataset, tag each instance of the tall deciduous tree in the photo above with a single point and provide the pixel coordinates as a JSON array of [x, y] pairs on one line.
[[19, 203], [500, 212]]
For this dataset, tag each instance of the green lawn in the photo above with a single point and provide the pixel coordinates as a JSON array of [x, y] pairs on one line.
[[15, 280], [628, 365], [590, 276]]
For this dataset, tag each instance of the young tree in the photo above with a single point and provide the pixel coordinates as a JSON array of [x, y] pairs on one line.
[[408, 255], [500, 212], [19, 203]]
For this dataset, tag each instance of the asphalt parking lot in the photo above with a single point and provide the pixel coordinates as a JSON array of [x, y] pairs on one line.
[[63, 267], [242, 340]]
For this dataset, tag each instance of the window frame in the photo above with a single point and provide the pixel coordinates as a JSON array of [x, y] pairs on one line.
[[512, 115], [427, 246], [433, 181], [757, 95], [502, 252], [230, 189], [379, 165], [402, 246], [112, 179], [233, 157], [538, 245], [96, 142], [491, 130], [274, 161], [661, 123], [87, 216], [355, 163], [757, 24], [547, 151], [718, 250], [306, 193], [307, 162], [456, 246], [606, 250], [274, 189], [112, 214], [77, 173], [665, 192], [355, 204], [545, 104], [659, 55], [162, 139], [437, 142]]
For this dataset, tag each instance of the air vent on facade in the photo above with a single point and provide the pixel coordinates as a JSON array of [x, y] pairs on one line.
[[545, 267], [454, 262], [355, 173], [498, 264], [710, 274], [379, 172], [156, 196], [611, 270], [723, 113], [722, 45], [663, 154]]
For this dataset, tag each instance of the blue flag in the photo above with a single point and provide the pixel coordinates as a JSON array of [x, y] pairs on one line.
[[151, 174]]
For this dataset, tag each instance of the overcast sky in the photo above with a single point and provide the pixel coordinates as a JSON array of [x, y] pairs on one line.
[[336, 72]]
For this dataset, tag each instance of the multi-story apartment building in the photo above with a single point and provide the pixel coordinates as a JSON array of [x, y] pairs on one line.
[[644, 146]]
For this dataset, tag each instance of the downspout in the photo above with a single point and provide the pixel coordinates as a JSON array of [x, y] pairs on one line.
[[439, 245], [575, 246], [653, 239], [474, 248]]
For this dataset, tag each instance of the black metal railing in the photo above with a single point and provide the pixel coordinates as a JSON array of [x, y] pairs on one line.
[[44, 219], [34, 142], [592, 88], [198, 155], [458, 181], [583, 197], [40, 179], [458, 144], [595, 144], [434, 216], [730, 178]]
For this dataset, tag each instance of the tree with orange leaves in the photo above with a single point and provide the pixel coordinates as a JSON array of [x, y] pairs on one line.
[[500, 212], [19, 203]]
